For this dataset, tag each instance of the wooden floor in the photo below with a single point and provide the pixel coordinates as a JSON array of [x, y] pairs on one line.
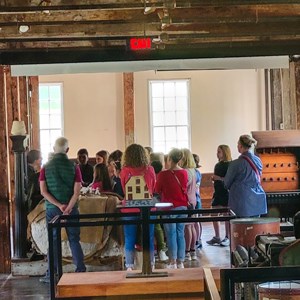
[[29, 288]]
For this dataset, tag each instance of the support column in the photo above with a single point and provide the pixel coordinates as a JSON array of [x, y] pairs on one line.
[[128, 85], [20, 208]]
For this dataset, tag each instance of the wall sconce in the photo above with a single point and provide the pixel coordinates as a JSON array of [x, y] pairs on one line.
[[24, 28]]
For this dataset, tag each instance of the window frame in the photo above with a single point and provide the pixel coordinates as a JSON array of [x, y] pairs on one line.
[[188, 83], [49, 84]]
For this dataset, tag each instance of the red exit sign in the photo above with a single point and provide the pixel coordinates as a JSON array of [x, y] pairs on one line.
[[140, 43]]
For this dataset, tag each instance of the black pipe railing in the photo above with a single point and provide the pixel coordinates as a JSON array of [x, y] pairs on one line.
[[143, 218]]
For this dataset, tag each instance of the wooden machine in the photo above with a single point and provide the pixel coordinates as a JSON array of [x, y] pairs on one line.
[[279, 151]]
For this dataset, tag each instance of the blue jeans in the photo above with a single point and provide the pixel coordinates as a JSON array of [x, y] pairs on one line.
[[73, 237], [175, 236], [130, 232]]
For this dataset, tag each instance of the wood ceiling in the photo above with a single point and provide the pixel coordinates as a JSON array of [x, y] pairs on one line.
[[99, 30]]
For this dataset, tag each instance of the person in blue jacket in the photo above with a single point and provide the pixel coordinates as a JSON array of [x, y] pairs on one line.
[[246, 195]]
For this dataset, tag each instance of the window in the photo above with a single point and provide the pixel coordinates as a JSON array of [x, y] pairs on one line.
[[169, 114], [51, 116]]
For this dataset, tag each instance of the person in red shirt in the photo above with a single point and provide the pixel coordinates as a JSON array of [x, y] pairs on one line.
[[172, 186], [136, 163]]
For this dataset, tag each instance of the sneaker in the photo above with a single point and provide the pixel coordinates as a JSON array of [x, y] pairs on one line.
[[180, 265], [188, 256], [194, 255], [214, 241], [162, 256], [172, 266], [45, 279], [199, 244], [225, 242]]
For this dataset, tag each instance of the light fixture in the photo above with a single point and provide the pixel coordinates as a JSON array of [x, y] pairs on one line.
[[23, 28], [147, 8]]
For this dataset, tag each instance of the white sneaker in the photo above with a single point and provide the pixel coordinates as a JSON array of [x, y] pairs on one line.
[[162, 256], [180, 265], [188, 256], [225, 242], [172, 266], [194, 255]]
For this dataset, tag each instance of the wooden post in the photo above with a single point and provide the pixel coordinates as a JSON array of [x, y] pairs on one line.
[[128, 81], [296, 68], [5, 259], [283, 103]]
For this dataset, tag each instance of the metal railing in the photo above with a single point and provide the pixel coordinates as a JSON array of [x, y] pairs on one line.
[[144, 218]]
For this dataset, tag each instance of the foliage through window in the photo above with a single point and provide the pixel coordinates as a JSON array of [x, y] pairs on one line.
[[169, 114], [51, 116]]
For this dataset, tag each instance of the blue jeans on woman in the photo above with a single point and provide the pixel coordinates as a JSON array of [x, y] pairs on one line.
[[130, 232], [73, 237], [175, 236]]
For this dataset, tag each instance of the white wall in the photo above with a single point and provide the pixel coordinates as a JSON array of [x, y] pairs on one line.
[[93, 111], [224, 105]]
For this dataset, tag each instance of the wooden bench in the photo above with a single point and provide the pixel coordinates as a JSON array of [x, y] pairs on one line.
[[180, 284]]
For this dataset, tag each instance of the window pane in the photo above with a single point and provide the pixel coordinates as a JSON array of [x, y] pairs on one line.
[[157, 89], [54, 91], [181, 118], [44, 121], [43, 92], [171, 133], [159, 134], [50, 111], [181, 103], [158, 119], [170, 118], [181, 89], [169, 89], [55, 107], [158, 104], [170, 104], [55, 121], [169, 114], [44, 106], [182, 132]]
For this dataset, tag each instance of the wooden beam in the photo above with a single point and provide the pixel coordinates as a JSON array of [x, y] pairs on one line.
[[128, 86], [33, 86], [296, 68], [5, 258], [201, 14]]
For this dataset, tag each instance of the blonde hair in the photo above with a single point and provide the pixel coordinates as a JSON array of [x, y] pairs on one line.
[[226, 152], [247, 141], [135, 156], [187, 162]]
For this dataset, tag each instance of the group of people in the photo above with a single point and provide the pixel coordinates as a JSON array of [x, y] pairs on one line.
[[174, 178]]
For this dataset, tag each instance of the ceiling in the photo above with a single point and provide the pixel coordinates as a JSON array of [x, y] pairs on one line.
[[55, 31]]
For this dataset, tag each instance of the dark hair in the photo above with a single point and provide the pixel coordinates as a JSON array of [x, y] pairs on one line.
[[118, 165], [197, 160], [33, 155], [82, 151], [102, 175], [157, 166], [149, 149], [115, 156]]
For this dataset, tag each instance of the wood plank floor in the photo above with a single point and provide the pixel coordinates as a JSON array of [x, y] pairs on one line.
[[29, 288]]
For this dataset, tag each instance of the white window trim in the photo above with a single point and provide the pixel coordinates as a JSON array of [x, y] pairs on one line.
[[188, 81]]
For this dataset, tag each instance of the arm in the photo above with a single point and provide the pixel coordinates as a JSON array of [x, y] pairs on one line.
[[49, 197], [230, 175], [74, 198]]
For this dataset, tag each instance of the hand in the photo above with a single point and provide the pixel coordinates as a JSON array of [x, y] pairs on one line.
[[63, 207]]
